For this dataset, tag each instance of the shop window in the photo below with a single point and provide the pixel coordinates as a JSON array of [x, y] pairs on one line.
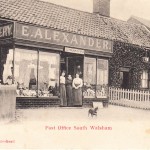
[[26, 72], [102, 78], [144, 79], [48, 76], [89, 77], [6, 66]]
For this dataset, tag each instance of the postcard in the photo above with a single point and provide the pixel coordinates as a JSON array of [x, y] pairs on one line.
[[74, 74]]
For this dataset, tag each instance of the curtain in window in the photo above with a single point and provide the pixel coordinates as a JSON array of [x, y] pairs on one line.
[[102, 78], [26, 72], [48, 74], [89, 77]]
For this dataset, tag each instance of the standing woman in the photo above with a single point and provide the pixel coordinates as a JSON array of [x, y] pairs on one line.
[[69, 90], [63, 90], [77, 91]]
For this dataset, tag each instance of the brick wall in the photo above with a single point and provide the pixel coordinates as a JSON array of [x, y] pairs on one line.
[[36, 103], [101, 7], [24, 102]]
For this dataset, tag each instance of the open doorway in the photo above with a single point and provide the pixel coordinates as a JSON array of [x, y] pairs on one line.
[[124, 76], [71, 64]]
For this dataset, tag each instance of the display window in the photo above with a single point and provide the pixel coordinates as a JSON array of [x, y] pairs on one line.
[[102, 78], [6, 66], [25, 72], [95, 78], [36, 73], [89, 87], [48, 76]]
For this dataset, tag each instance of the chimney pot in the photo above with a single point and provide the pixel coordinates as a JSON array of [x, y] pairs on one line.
[[101, 7]]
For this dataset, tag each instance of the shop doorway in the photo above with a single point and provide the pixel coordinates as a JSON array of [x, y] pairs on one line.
[[72, 64]]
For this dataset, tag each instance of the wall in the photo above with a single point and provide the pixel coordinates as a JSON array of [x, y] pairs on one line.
[[126, 55], [7, 101]]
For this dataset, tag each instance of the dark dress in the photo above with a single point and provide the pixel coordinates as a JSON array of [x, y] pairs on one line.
[[69, 92], [63, 95], [77, 94], [63, 92]]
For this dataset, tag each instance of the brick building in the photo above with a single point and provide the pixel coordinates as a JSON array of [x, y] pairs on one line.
[[39, 40]]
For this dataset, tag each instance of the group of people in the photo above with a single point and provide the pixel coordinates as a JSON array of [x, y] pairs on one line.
[[70, 90]]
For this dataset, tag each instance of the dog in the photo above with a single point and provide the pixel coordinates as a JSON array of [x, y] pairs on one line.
[[93, 111]]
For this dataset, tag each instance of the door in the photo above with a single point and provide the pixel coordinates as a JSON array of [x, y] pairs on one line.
[[74, 64], [125, 80]]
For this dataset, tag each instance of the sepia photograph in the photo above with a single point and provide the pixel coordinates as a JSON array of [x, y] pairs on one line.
[[75, 74]]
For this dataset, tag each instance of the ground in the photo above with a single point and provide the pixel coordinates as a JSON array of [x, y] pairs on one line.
[[117, 128]]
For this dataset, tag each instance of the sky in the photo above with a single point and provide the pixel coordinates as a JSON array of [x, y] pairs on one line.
[[120, 9]]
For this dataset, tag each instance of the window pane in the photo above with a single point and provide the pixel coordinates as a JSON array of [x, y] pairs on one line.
[[144, 79], [48, 81], [6, 65], [102, 78], [89, 77], [144, 84], [26, 72]]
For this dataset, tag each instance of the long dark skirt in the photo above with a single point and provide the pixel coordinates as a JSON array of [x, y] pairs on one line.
[[69, 95], [77, 96], [63, 95]]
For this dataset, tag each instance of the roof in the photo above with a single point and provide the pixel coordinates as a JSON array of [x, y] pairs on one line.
[[138, 20], [54, 16]]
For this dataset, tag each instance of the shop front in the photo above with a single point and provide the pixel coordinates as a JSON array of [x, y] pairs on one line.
[[35, 58]]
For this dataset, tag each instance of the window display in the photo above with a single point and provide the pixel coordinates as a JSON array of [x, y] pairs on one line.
[[89, 77], [48, 74], [25, 72], [6, 66], [36, 76], [102, 78]]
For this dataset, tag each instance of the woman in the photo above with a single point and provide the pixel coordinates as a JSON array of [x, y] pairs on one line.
[[77, 91], [69, 90], [63, 90]]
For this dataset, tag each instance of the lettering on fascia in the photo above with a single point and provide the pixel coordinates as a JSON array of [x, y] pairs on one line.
[[66, 39], [6, 30]]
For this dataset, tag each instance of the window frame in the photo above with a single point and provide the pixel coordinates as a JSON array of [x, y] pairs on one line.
[[38, 50]]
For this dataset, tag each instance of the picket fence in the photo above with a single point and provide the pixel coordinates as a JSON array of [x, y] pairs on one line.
[[129, 98]]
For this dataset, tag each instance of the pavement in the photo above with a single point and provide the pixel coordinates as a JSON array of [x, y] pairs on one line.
[[114, 127]]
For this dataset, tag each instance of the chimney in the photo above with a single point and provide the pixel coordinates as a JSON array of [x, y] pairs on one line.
[[101, 7]]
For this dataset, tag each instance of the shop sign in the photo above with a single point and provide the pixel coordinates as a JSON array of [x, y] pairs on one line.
[[6, 31], [74, 50], [44, 35]]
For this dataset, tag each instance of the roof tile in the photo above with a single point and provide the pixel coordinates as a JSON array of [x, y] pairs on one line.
[[58, 17]]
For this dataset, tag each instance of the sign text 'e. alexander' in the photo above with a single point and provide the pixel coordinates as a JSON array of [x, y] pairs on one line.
[[38, 34]]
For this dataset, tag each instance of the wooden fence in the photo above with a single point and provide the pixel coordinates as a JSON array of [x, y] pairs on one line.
[[7, 102], [129, 98]]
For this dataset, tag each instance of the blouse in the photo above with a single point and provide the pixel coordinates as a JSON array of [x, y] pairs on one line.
[[62, 80], [77, 82]]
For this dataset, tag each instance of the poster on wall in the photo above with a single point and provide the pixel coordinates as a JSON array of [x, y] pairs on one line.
[[61, 74]]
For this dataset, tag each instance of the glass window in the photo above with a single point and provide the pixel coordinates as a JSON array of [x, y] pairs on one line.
[[89, 77], [102, 78], [48, 76], [144, 79], [6, 66], [26, 72]]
